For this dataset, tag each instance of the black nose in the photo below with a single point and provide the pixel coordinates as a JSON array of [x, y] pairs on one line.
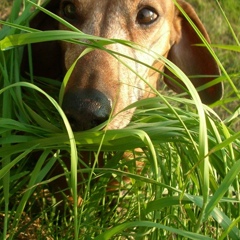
[[86, 109]]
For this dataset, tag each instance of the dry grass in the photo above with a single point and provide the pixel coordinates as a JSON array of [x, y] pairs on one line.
[[5, 9]]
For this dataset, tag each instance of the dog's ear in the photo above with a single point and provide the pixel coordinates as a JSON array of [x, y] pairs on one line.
[[46, 56], [193, 60]]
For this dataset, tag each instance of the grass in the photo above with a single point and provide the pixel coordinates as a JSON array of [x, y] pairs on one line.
[[222, 21], [187, 186]]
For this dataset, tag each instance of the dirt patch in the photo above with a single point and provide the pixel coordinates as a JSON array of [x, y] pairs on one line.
[[5, 9]]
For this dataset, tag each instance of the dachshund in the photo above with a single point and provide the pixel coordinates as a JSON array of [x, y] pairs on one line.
[[101, 86]]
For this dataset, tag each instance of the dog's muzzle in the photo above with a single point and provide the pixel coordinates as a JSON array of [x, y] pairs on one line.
[[86, 108]]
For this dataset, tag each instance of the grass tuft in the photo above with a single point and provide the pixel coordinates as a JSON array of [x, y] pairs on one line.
[[177, 163]]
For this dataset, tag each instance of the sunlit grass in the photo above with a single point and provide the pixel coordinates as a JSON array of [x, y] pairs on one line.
[[188, 187]]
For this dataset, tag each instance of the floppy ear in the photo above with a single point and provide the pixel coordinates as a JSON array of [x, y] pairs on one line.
[[46, 56], [193, 60]]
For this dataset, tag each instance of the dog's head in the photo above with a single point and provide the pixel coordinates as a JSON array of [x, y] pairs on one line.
[[102, 84]]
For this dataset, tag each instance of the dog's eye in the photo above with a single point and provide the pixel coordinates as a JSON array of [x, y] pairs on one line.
[[146, 16], [69, 10]]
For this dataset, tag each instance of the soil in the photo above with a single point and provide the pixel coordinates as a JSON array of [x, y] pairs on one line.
[[5, 8]]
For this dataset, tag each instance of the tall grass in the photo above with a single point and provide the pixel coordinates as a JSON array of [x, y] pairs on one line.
[[188, 187]]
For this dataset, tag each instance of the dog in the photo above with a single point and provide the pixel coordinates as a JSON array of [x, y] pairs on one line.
[[100, 86]]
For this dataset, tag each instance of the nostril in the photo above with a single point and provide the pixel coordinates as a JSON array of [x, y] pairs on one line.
[[86, 109]]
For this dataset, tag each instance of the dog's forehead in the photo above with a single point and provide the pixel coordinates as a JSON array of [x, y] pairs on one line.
[[113, 18], [122, 5]]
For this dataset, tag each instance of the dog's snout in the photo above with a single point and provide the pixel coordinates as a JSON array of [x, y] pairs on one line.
[[86, 109]]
